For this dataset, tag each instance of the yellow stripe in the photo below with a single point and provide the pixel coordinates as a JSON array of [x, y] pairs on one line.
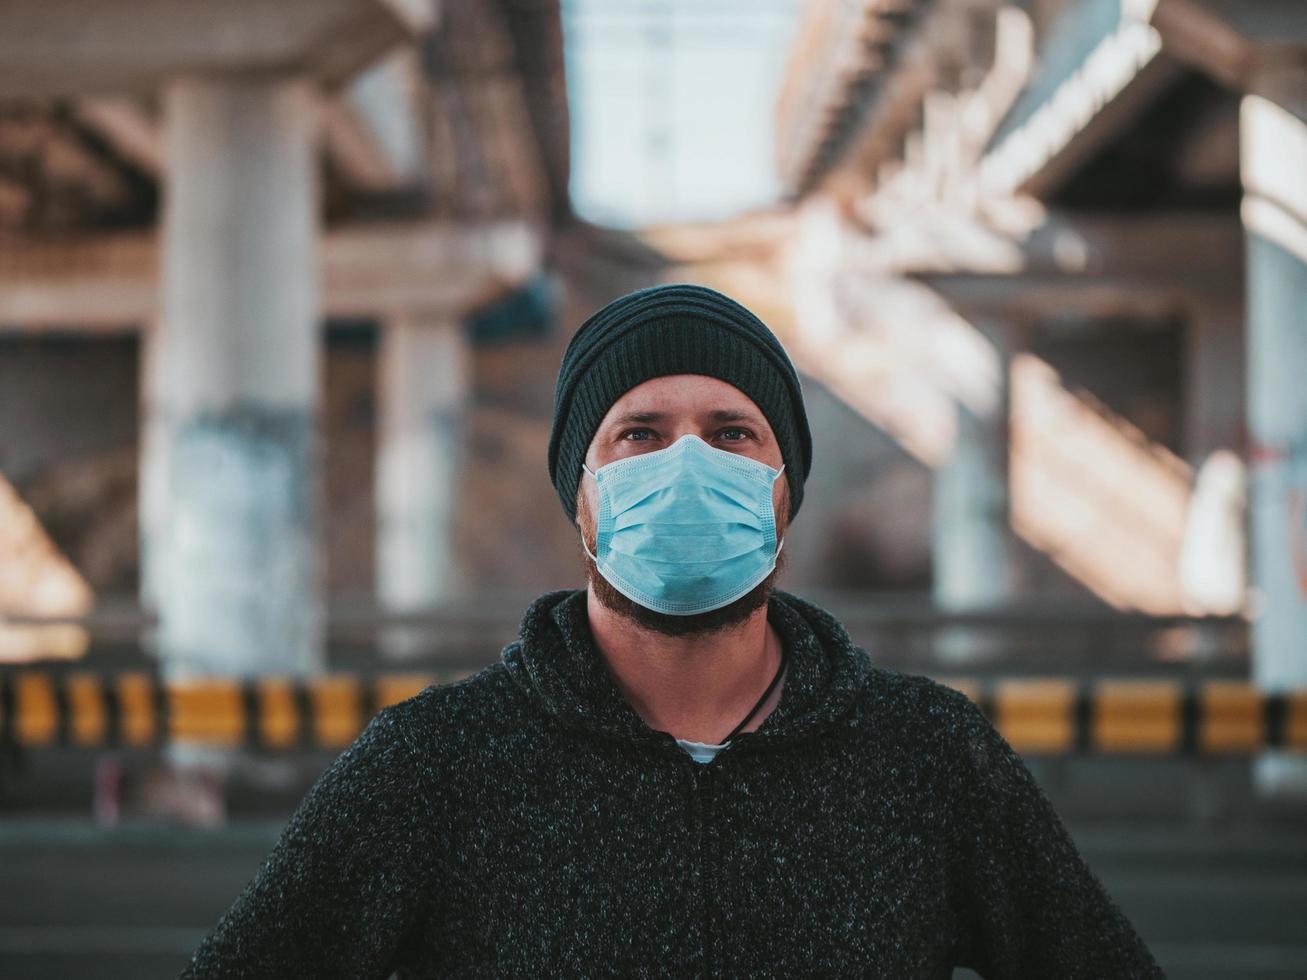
[[393, 688], [88, 724], [279, 719], [1136, 716], [136, 708], [36, 718], [967, 685], [336, 714], [1036, 714], [206, 710], [1295, 722], [1231, 718]]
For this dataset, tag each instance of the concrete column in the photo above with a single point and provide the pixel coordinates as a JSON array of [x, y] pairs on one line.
[[971, 527], [972, 536], [1273, 151], [235, 380], [152, 466], [1213, 555], [422, 390], [1214, 383]]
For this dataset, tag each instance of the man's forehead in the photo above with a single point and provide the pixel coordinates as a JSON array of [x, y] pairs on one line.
[[685, 395]]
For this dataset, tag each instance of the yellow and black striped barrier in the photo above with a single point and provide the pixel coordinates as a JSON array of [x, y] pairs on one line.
[[141, 710], [1055, 716], [1038, 716]]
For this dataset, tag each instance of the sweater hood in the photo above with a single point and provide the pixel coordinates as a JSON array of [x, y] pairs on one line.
[[556, 662]]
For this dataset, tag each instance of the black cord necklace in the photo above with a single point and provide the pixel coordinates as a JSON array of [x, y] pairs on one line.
[[765, 695]]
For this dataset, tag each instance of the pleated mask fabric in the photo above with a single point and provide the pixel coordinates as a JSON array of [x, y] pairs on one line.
[[686, 529]]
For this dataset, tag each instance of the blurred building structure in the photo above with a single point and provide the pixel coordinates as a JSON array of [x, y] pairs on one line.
[[1022, 201], [1011, 267], [283, 292], [220, 182]]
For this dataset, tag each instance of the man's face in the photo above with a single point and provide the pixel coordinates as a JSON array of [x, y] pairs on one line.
[[650, 417]]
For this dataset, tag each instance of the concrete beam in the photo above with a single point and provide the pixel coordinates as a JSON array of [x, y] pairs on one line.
[[1108, 266], [834, 52], [71, 47], [1098, 265], [1233, 40], [1035, 297], [1101, 67], [373, 130], [129, 129], [65, 166], [111, 282], [426, 267], [855, 87], [1178, 245], [1106, 61], [893, 114]]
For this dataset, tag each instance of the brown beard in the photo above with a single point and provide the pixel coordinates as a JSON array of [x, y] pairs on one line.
[[695, 624]]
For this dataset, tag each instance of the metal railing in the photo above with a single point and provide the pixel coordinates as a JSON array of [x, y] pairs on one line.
[[903, 632]]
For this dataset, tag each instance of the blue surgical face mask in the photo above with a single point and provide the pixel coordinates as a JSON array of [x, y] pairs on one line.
[[686, 529]]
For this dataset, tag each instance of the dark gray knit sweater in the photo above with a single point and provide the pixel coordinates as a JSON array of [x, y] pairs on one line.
[[526, 822]]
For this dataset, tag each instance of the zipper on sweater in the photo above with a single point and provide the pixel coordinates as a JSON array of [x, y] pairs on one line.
[[703, 781]]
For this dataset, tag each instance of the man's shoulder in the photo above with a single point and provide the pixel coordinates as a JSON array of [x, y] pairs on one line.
[[888, 687], [923, 718], [484, 701], [917, 709], [486, 687]]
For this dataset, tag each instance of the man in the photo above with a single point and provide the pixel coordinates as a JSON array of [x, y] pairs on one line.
[[677, 771]]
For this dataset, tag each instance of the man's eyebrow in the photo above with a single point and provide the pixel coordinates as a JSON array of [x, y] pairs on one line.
[[640, 418], [716, 415], [733, 415]]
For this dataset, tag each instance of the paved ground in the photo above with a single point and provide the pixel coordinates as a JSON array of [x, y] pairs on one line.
[[1213, 877], [132, 903]]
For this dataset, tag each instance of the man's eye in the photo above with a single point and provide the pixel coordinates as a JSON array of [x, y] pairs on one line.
[[638, 435], [733, 434]]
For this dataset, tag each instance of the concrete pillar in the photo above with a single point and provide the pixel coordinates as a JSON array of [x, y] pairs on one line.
[[972, 543], [1273, 136], [235, 379], [972, 536], [152, 466], [1214, 382], [422, 390], [1213, 555]]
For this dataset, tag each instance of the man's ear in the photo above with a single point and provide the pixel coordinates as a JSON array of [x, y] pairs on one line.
[[586, 485], [580, 506], [783, 504]]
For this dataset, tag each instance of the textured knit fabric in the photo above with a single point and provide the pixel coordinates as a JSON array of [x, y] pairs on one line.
[[526, 822], [673, 329]]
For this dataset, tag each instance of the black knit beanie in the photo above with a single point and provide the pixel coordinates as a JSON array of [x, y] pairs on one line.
[[673, 329]]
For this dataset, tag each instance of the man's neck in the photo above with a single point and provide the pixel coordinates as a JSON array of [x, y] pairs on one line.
[[695, 687]]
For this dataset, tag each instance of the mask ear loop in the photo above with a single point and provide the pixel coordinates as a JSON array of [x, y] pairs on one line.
[[781, 543], [582, 533]]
